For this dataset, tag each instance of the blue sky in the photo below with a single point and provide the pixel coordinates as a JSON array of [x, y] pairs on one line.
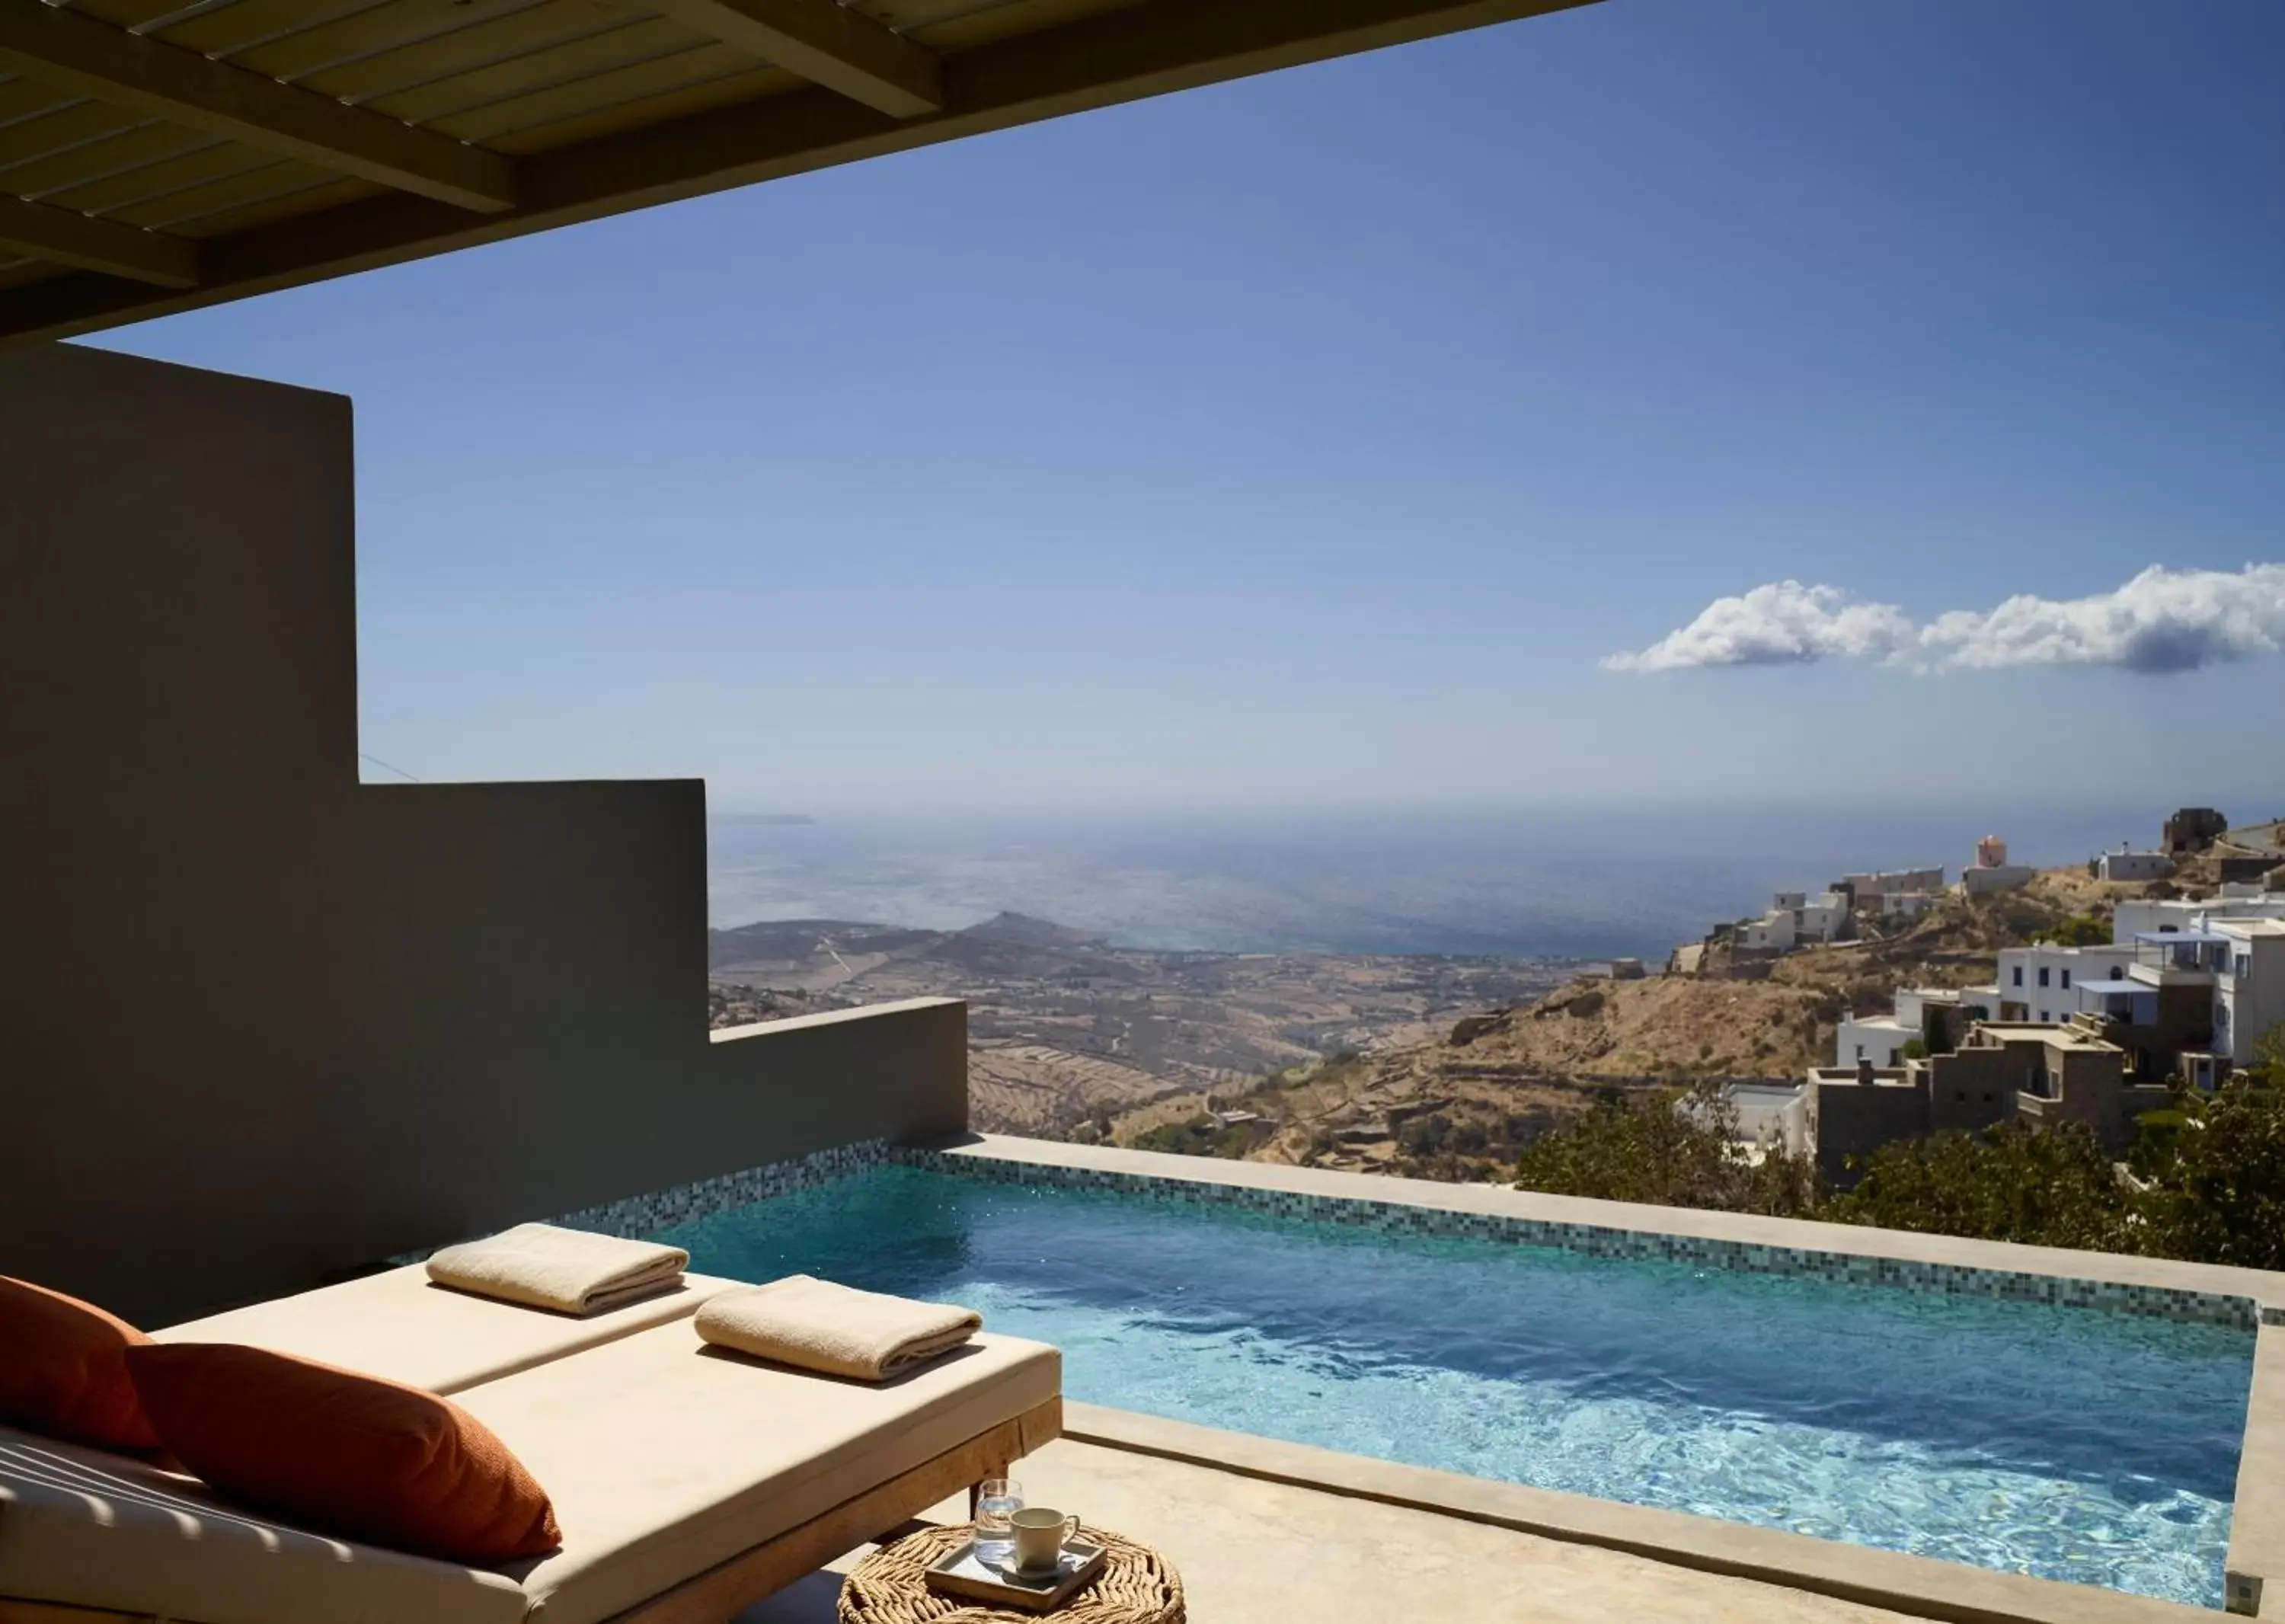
[[1313, 438]]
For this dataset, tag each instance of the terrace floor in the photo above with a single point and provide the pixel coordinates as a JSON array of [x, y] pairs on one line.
[[1253, 1550]]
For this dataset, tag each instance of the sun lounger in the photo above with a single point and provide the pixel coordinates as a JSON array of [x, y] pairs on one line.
[[689, 1482], [666, 1457], [401, 1325], [92, 1530]]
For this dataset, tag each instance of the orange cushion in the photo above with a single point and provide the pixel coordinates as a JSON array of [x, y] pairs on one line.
[[346, 1453], [63, 1369]]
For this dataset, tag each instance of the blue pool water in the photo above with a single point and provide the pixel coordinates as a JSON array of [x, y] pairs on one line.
[[2069, 1443]]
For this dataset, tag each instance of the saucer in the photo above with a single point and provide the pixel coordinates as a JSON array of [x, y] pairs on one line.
[[961, 1572]]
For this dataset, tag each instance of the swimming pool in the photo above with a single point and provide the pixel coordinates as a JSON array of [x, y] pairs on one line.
[[2069, 1443]]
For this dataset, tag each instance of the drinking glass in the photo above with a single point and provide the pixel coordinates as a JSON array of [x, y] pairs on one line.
[[997, 1499]]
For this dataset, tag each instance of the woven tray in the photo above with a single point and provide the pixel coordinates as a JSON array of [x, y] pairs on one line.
[[1136, 1586]]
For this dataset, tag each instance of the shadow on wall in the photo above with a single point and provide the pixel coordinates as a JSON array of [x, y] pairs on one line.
[[264, 1024]]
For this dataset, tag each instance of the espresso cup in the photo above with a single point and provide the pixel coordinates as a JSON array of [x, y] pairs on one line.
[[1039, 1535]]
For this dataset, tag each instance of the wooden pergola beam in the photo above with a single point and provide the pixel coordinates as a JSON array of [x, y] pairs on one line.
[[126, 70], [826, 43], [1136, 51], [63, 236]]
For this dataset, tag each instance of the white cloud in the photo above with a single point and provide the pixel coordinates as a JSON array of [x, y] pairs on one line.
[[2163, 620], [1781, 624]]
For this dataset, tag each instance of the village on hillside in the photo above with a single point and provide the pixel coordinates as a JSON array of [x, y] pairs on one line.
[[2169, 971], [1886, 1006]]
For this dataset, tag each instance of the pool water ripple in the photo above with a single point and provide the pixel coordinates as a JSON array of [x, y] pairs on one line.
[[2069, 1443]]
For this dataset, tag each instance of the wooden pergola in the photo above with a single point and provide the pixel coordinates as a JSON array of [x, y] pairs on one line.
[[158, 155]]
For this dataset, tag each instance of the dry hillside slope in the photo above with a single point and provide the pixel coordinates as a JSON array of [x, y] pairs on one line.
[[1462, 1106]]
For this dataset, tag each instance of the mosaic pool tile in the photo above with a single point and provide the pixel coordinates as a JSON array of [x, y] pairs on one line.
[[647, 1214], [635, 1217], [641, 1215], [1397, 1218]]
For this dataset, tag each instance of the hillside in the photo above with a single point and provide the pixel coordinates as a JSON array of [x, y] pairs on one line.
[[1461, 1105], [1065, 1028]]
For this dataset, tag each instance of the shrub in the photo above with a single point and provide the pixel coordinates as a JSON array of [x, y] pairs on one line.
[[2050, 1186], [1520, 1127], [1179, 1138], [1200, 1136], [2268, 1063], [1669, 1153], [2220, 1195], [2213, 1168], [2157, 1135], [2079, 930], [1426, 1135]]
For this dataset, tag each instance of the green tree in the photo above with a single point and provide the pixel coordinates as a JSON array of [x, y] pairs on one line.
[[1666, 1151], [2051, 1186], [2078, 931], [2209, 1172], [2268, 1063], [2220, 1195]]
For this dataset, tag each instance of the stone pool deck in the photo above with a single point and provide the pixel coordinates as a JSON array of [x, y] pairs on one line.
[[1249, 1550], [1257, 1548]]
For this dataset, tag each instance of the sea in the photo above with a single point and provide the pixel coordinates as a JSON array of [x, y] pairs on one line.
[[1574, 881]]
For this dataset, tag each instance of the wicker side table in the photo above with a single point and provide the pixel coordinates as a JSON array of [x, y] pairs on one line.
[[1137, 1586]]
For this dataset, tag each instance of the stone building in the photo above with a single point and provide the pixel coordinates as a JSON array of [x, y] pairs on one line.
[[2001, 1072]]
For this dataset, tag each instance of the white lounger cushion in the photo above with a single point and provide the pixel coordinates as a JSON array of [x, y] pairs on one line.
[[400, 1325], [665, 1456], [83, 1526]]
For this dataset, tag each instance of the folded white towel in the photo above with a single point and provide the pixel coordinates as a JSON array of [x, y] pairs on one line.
[[836, 1328], [567, 1270]]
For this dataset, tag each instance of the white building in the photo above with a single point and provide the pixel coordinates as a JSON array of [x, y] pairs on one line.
[[1980, 1003], [1770, 1114], [1995, 877], [2035, 983], [2249, 985], [1824, 917], [1795, 918], [2124, 865], [1775, 931], [2141, 915], [1896, 891], [2144, 916], [1991, 871], [1881, 1038]]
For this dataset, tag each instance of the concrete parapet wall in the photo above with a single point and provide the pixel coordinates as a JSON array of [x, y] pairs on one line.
[[262, 1024]]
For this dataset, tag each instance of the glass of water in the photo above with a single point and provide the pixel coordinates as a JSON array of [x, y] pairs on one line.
[[997, 1499]]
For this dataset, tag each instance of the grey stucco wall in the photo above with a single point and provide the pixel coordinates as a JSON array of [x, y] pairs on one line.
[[259, 1024], [1855, 1119]]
